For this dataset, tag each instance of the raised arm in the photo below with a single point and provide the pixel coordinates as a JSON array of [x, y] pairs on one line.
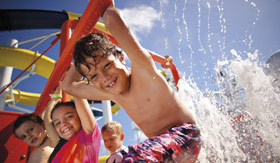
[[86, 116], [73, 85], [48, 122], [117, 27], [72, 82]]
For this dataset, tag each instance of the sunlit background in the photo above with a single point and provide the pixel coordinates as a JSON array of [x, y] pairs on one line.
[[220, 48]]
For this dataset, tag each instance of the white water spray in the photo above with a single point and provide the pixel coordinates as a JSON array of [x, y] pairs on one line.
[[236, 106]]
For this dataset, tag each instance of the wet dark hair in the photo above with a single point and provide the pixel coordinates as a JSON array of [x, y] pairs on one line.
[[69, 103], [89, 45], [27, 117]]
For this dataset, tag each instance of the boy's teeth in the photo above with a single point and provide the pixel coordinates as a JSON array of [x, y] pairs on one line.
[[111, 84]]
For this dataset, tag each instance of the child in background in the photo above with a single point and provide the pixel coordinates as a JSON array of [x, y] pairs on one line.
[[142, 91], [75, 122], [112, 134], [37, 133]]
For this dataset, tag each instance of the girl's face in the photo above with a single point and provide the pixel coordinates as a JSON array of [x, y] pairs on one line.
[[33, 134], [112, 140], [66, 121]]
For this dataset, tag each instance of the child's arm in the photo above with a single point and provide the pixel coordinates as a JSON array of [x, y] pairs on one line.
[[48, 123], [88, 121], [47, 119], [73, 84], [135, 52]]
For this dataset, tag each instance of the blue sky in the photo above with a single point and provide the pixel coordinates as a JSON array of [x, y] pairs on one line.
[[196, 33]]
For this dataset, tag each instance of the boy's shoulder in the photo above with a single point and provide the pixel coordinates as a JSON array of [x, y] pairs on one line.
[[115, 157], [36, 155], [118, 155], [41, 153]]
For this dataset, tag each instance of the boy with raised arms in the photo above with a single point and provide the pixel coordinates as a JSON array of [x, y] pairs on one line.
[[142, 91]]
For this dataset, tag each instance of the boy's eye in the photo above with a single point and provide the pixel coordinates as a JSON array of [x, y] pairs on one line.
[[22, 137], [31, 129], [93, 77], [107, 66]]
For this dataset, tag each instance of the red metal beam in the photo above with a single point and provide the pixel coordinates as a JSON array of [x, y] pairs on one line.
[[91, 15]]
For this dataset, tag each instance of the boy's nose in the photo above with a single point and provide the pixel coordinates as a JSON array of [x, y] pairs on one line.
[[29, 137], [106, 78]]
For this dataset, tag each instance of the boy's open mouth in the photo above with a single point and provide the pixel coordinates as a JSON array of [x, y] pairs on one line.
[[34, 140], [112, 83]]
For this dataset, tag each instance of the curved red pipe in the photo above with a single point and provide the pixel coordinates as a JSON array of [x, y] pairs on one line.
[[92, 13]]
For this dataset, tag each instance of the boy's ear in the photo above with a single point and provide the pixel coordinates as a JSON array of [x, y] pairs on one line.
[[121, 57], [122, 136], [16, 136]]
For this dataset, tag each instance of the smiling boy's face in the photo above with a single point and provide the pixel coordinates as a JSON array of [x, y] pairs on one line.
[[109, 75], [33, 134]]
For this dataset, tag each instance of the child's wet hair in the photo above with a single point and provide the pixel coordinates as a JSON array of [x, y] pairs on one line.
[[59, 104], [27, 117], [89, 45], [113, 126]]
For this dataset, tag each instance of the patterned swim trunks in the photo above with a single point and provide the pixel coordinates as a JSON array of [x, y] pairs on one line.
[[179, 144]]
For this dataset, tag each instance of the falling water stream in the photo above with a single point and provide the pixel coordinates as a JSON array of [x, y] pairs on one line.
[[235, 102]]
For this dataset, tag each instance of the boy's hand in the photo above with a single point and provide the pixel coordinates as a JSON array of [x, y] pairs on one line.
[[110, 6], [57, 95], [58, 90]]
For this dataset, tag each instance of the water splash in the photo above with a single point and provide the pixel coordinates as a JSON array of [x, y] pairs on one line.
[[249, 40], [239, 121], [236, 105], [262, 101], [201, 48], [218, 140]]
